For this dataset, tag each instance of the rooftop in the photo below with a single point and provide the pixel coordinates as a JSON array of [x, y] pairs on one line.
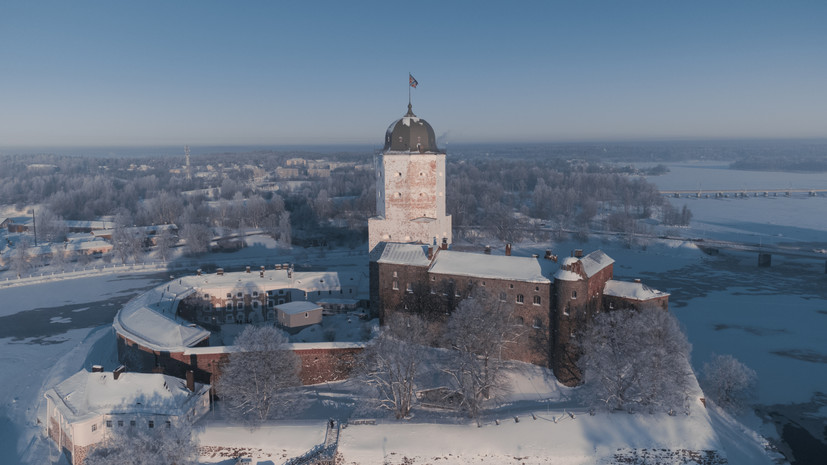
[[528, 269]]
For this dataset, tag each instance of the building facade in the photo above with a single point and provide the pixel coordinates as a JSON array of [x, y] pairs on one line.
[[410, 186], [413, 269]]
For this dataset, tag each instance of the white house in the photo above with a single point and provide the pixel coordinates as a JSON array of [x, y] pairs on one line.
[[299, 314], [85, 408]]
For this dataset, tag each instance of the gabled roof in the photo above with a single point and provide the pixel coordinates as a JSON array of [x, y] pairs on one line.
[[402, 254], [86, 394], [632, 290], [527, 269], [594, 262]]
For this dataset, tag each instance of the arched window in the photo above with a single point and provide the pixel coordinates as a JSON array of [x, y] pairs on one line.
[[537, 300], [503, 296], [520, 298]]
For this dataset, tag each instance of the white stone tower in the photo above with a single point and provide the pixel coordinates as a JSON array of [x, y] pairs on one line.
[[410, 186]]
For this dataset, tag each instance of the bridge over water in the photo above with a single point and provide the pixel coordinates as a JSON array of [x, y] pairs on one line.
[[719, 193]]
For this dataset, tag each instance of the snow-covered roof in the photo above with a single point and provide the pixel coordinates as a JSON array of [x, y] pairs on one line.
[[566, 275], [149, 319], [632, 290], [299, 306], [595, 261], [477, 265], [404, 254], [86, 394], [308, 281]]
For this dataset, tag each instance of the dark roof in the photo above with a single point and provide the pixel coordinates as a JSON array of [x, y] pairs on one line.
[[410, 134]]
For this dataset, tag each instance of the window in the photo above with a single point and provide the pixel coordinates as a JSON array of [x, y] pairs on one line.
[[573, 294], [207, 296], [94, 427], [270, 303], [152, 423], [281, 301], [537, 300], [229, 295], [350, 291], [281, 291], [537, 323], [483, 283], [433, 278], [255, 305], [169, 424], [240, 306], [306, 315], [409, 288], [520, 298], [120, 423], [503, 296], [537, 288], [108, 423], [229, 304], [395, 275], [511, 286], [131, 422], [239, 295], [396, 285], [255, 293]]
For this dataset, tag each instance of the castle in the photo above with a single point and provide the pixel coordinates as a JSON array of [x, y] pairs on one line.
[[410, 255]]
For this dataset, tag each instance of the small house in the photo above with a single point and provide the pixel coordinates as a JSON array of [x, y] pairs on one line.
[[299, 314]]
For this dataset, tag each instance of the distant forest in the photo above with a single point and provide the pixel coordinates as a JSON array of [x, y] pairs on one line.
[[507, 194]]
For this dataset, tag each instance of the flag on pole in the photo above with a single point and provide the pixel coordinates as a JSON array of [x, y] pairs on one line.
[[412, 81]]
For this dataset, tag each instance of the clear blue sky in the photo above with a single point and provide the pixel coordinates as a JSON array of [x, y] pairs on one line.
[[277, 72]]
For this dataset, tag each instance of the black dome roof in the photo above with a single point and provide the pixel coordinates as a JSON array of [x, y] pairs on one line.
[[410, 134]]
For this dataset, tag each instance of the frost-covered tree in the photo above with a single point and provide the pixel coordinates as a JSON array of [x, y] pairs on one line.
[[142, 446], [164, 243], [730, 383], [257, 380], [197, 238], [20, 260], [477, 332], [635, 358], [390, 363]]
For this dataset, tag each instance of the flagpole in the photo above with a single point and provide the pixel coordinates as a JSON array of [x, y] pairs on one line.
[[409, 88]]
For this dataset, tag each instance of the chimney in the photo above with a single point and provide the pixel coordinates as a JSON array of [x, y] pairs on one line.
[[97, 368], [637, 280], [198, 272], [261, 272], [444, 243], [117, 373], [430, 252], [534, 255], [578, 253], [487, 250], [289, 273], [547, 256], [191, 380], [220, 271], [248, 269], [508, 250]]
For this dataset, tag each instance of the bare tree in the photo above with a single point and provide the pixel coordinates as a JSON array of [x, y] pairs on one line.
[[391, 362], [730, 383], [635, 358], [197, 238], [20, 258], [50, 226], [478, 331], [164, 243], [139, 446], [285, 230], [256, 381]]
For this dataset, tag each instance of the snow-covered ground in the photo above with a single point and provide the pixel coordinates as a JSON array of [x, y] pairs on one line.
[[770, 318]]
